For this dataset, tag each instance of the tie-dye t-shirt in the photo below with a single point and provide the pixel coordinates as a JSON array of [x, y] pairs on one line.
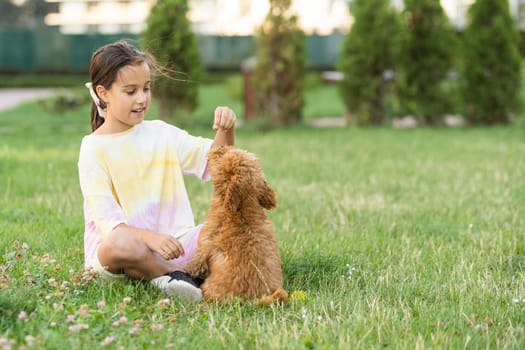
[[136, 177]]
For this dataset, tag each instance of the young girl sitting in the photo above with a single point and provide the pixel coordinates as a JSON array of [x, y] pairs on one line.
[[138, 219]]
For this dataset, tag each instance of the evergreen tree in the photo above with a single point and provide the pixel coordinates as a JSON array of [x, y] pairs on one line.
[[370, 52], [168, 36], [428, 56], [280, 67], [492, 64]]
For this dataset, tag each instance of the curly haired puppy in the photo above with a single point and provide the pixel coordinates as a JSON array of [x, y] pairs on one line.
[[237, 253]]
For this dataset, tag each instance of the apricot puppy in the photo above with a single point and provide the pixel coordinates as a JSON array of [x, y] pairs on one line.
[[237, 253]]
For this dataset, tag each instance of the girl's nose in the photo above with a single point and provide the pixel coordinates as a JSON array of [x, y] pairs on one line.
[[142, 97]]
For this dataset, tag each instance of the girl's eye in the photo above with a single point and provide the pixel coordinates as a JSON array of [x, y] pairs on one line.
[[130, 92]]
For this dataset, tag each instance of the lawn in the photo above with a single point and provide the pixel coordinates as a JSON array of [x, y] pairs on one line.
[[389, 239]]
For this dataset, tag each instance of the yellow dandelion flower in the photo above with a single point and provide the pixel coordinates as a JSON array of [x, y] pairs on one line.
[[298, 295]]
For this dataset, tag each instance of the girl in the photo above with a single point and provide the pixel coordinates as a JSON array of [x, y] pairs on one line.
[[138, 219]]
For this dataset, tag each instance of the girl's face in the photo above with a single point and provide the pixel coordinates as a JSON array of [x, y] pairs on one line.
[[127, 99]]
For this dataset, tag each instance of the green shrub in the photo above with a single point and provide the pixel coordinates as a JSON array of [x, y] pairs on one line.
[[65, 100], [280, 68], [370, 54], [492, 64], [169, 38], [428, 54]]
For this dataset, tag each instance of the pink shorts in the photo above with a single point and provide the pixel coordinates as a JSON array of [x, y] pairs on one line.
[[188, 240]]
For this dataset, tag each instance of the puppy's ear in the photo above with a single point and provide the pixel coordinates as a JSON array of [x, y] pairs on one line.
[[267, 198], [232, 195]]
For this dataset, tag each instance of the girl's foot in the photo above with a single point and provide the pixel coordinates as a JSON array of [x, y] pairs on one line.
[[179, 284]]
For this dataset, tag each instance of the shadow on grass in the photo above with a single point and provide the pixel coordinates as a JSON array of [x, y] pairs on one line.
[[513, 265], [314, 271]]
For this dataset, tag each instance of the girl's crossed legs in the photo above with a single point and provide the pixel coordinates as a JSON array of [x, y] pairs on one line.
[[123, 254]]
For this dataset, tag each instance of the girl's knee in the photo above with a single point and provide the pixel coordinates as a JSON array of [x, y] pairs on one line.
[[122, 244]]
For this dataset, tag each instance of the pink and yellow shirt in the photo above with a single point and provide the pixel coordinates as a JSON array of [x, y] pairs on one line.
[[136, 177]]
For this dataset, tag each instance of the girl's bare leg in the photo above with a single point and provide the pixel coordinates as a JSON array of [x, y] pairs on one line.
[[123, 252]]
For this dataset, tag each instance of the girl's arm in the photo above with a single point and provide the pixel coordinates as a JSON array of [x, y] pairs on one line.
[[167, 246], [224, 124]]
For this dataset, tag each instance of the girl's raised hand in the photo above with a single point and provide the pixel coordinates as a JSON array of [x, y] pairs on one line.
[[224, 119]]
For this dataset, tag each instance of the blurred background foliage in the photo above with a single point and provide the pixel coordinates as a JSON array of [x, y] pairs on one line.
[[395, 63]]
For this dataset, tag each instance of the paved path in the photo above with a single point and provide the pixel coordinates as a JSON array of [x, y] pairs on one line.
[[10, 98], [327, 122]]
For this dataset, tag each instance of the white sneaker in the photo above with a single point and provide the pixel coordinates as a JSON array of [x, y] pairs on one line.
[[179, 288]]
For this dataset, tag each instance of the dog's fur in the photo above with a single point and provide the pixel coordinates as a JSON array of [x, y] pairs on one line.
[[237, 253]]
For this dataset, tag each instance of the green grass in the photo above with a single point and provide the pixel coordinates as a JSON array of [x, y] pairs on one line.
[[399, 239]]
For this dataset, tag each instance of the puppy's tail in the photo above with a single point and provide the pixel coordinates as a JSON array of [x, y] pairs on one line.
[[279, 296]]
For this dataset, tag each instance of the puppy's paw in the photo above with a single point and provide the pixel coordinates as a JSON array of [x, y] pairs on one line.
[[278, 297], [197, 270]]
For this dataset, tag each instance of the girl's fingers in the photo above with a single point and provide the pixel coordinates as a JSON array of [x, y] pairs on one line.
[[164, 253], [175, 248], [224, 118]]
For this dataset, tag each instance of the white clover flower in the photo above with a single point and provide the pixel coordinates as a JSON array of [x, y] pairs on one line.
[[108, 340]]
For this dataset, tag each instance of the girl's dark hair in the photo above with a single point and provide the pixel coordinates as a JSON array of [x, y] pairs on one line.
[[105, 65]]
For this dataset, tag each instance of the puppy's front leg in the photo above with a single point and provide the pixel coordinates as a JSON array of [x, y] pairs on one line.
[[198, 267]]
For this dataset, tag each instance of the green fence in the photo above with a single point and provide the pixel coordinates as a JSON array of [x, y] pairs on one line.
[[49, 51]]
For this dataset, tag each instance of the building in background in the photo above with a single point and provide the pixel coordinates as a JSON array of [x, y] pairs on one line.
[[99, 16], [242, 17], [457, 11], [218, 17], [228, 17]]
